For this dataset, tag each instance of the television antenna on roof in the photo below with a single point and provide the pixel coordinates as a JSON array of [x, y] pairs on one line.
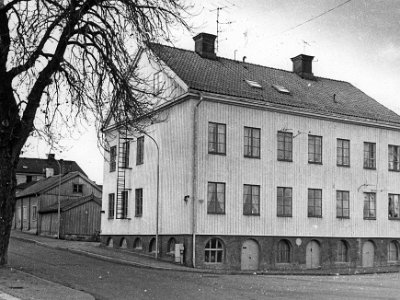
[[218, 9]]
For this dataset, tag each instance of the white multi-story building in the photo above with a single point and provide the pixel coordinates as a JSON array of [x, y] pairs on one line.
[[259, 168]]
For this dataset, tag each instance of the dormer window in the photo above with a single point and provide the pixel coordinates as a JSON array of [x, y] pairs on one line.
[[281, 89], [253, 84]]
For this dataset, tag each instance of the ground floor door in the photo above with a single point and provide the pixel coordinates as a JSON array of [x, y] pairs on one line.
[[368, 253], [250, 255], [312, 255]]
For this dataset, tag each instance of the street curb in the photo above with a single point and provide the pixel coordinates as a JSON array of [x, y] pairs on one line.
[[202, 271], [111, 259]]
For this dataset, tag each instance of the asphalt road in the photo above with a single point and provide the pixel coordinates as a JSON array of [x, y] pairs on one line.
[[105, 280]]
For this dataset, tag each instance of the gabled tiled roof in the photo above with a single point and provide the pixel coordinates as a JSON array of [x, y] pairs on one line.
[[39, 165], [227, 77], [70, 203], [45, 184]]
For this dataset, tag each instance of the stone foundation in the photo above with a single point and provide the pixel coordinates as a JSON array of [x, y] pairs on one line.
[[268, 251]]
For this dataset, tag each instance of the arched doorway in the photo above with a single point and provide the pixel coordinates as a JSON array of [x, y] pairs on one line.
[[313, 255], [250, 254], [123, 244], [368, 254]]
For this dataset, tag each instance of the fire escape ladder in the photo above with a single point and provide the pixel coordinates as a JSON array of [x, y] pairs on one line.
[[122, 165]]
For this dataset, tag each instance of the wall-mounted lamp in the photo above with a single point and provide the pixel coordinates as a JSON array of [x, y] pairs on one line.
[[186, 198]]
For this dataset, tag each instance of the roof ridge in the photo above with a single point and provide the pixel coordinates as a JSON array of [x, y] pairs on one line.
[[247, 63]]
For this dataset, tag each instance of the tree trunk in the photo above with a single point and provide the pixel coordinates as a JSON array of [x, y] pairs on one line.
[[7, 199]]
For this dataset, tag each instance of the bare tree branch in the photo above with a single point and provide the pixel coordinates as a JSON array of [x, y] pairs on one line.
[[69, 60]]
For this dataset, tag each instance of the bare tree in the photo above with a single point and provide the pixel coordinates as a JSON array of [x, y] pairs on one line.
[[65, 60]]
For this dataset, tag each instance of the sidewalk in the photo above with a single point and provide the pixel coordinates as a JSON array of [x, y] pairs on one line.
[[17, 285]]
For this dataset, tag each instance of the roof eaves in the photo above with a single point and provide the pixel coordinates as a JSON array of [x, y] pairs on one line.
[[295, 109]]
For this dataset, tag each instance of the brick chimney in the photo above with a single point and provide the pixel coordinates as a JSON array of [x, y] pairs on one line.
[[51, 156], [204, 45], [302, 66]]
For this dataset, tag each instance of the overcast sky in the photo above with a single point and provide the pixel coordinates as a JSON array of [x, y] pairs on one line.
[[356, 41]]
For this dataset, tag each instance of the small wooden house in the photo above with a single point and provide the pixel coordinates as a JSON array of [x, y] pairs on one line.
[[79, 218], [47, 192]]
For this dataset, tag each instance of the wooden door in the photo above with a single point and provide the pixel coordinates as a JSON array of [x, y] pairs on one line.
[[368, 254], [312, 255], [250, 255]]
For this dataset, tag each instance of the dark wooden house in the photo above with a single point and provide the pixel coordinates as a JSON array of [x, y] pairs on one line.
[[45, 193], [79, 218]]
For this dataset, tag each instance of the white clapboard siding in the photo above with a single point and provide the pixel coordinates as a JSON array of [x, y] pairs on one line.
[[235, 170], [174, 137]]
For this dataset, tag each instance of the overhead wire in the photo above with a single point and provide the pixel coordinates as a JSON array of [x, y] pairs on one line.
[[313, 18]]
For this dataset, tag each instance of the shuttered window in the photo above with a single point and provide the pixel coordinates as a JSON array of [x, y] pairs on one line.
[[111, 205], [140, 150], [113, 158], [138, 202]]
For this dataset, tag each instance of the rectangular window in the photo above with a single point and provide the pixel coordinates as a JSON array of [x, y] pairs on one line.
[[343, 153], [34, 213], [111, 205], [252, 138], [113, 158], [394, 206], [122, 205], [216, 198], [285, 146], [315, 149], [394, 158], [125, 154], [284, 202], [216, 138], [342, 204], [25, 213], [251, 200], [370, 206], [369, 155], [315, 203], [140, 150], [77, 188], [138, 202]]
